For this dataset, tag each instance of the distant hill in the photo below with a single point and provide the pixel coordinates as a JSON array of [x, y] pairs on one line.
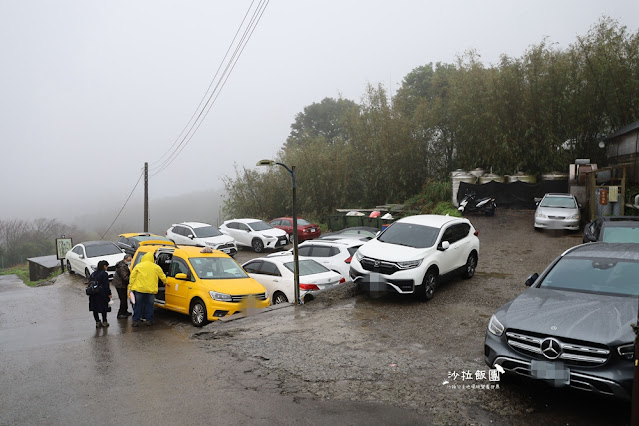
[[201, 206]]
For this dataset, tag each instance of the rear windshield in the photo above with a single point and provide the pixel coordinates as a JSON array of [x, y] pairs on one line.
[[559, 202], [150, 238], [303, 222], [216, 268], [307, 267], [259, 226], [352, 250], [599, 275], [410, 235], [618, 234], [207, 231], [102, 250]]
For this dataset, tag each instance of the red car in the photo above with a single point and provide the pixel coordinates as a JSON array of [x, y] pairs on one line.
[[305, 229]]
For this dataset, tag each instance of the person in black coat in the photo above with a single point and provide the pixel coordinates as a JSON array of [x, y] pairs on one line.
[[99, 303]]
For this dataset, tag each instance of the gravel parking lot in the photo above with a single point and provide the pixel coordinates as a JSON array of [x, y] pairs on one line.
[[347, 346]]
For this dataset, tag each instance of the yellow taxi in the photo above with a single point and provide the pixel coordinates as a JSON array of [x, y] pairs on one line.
[[203, 283]]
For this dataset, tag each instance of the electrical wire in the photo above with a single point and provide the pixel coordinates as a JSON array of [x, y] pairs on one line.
[[214, 94], [125, 203], [208, 88]]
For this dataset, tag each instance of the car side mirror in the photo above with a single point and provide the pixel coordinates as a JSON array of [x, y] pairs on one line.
[[443, 246], [190, 236], [181, 276], [531, 279], [123, 251], [591, 238], [81, 256]]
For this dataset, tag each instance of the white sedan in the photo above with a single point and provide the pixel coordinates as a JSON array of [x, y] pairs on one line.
[[276, 274], [83, 258]]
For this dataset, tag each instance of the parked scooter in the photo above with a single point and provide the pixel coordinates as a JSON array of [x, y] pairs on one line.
[[470, 204]]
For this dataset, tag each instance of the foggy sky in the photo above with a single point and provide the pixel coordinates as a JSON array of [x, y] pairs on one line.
[[90, 90]]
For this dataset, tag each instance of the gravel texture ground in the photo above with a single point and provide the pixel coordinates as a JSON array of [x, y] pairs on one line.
[[348, 346]]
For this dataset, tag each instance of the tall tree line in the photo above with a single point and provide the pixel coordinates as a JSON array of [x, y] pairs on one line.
[[535, 113]]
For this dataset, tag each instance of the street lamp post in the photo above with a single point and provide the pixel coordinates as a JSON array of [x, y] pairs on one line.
[[296, 266]]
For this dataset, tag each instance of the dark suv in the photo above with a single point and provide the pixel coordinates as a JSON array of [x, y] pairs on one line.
[[613, 229], [573, 326]]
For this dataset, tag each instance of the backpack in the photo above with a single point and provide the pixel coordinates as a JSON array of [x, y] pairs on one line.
[[93, 287]]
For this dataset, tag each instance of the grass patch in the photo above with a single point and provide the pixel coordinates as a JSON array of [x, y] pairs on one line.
[[22, 271]]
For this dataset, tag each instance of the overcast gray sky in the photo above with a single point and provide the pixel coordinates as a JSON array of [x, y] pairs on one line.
[[90, 90]]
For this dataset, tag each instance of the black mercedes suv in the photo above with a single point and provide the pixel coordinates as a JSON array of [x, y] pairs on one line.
[[573, 326]]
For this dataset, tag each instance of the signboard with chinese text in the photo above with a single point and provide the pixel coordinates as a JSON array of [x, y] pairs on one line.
[[63, 245]]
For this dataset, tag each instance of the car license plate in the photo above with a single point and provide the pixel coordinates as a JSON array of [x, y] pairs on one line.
[[555, 372], [312, 230]]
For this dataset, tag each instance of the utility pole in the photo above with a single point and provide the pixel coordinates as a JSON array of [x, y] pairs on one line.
[[146, 197]]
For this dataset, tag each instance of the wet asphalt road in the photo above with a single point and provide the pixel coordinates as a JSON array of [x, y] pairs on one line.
[[56, 368]]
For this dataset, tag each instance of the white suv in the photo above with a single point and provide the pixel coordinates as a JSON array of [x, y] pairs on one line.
[[255, 233], [201, 234], [410, 255]]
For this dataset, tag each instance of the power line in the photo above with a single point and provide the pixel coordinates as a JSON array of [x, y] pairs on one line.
[[208, 88], [248, 32], [125, 203]]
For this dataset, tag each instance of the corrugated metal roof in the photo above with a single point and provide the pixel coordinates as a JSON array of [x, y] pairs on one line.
[[625, 129], [46, 261]]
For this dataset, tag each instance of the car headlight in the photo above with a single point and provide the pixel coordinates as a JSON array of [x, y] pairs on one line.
[[626, 351], [210, 244], [410, 264], [540, 215], [358, 255], [574, 216], [495, 327], [220, 297], [94, 267]]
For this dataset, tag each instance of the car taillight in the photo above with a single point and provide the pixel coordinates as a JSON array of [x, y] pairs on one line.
[[309, 287], [476, 232], [348, 260], [342, 281]]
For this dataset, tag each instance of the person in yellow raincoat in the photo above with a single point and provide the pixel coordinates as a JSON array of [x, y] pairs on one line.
[[143, 282]]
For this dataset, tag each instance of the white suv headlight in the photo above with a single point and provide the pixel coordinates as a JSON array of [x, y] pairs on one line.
[[410, 264], [495, 327], [221, 297], [358, 255], [540, 215]]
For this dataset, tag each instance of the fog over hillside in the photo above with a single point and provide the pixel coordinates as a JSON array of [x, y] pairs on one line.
[[199, 206]]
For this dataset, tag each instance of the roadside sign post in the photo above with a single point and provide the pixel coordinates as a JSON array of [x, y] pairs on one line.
[[63, 245]]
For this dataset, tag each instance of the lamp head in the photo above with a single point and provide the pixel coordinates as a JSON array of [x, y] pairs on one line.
[[265, 163]]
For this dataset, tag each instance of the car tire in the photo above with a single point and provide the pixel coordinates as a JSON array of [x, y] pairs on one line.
[[278, 298], [69, 268], [471, 266], [86, 273], [291, 239], [258, 245], [198, 313], [429, 284]]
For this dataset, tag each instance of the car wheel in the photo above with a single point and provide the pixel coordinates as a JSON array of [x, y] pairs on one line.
[[69, 268], [427, 289], [471, 265], [258, 245], [290, 238], [86, 273], [198, 313], [278, 298]]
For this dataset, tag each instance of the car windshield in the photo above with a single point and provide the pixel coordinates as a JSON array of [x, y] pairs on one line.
[[307, 267], [259, 226], [410, 235], [559, 202], [102, 250], [216, 268], [600, 275], [207, 231], [620, 234]]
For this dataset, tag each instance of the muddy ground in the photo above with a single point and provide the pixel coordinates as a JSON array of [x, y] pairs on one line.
[[396, 350]]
